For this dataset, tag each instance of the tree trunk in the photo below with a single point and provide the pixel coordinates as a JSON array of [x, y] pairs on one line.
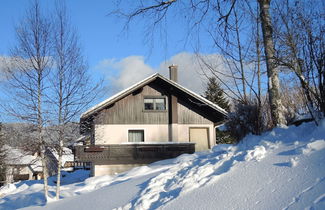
[[45, 174], [272, 73], [258, 54], [58, 180], [40, 130]]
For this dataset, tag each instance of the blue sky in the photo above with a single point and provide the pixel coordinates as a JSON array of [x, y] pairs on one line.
[[106, 46], [122, 58], [101, 36]]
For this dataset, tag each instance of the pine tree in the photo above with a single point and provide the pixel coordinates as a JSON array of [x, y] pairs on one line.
[[215, 94]]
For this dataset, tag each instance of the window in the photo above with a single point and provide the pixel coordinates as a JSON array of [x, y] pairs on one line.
[[149, 104], [136, 136], [155, 104], [160, 104]]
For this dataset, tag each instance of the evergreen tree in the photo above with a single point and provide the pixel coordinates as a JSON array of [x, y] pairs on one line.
[[215, 94]]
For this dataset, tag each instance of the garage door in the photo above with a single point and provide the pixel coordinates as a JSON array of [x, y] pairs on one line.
[[200, 136]]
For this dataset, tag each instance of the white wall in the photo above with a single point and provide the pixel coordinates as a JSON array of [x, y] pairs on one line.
[[14, 169], [117, 134]]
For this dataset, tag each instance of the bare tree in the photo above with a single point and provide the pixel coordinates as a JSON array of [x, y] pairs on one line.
[[72, 88], [239, 74], [300, 36], [27, 77], [199, 14], [258, 72], [271, 64], [293, 99], [48, 80]]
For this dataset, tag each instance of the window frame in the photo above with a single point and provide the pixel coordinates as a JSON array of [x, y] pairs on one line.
[[130, 130], [154, 104]]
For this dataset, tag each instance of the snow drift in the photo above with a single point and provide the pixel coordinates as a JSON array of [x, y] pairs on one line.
[[282, 169]]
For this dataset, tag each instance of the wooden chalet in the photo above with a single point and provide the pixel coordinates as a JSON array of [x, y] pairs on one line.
[[152, 120]]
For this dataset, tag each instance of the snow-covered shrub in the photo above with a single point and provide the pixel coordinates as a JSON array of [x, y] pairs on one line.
[[247, 118], [224, 137]]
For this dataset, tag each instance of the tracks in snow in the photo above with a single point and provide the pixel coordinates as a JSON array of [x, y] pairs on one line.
[[184, 177]]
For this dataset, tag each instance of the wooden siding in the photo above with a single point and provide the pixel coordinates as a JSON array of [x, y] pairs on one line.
[[129, 110], [187, 116]]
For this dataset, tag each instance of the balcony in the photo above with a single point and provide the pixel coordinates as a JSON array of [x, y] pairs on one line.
[[135, 153]]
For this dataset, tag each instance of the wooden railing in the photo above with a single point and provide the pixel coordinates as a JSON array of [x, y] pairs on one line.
[[131, 153]]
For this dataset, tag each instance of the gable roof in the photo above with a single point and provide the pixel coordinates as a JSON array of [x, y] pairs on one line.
[[142, 83], [19, 157]]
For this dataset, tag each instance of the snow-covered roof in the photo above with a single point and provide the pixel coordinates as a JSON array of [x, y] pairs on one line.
[[37, 166], [67, 155], [81, 139], [16, 156], [143, 82]]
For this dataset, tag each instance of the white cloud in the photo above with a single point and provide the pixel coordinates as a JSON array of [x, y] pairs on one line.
[[5, 62], [133, 69], [125, 72], [16, 64], [191, 73]]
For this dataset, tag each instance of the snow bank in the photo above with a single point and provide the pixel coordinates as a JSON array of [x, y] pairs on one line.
[[7, 189], [281, 169], [257, 153], [313, 146]]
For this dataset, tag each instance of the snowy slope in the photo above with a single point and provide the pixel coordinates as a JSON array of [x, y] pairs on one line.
[[282, 169]]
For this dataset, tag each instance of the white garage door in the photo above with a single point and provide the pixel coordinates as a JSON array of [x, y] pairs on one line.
[[200, 136]]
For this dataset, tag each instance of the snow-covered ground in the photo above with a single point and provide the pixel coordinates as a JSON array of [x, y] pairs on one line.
[[282, 169]]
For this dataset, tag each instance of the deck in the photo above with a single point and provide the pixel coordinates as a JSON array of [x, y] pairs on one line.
[[137, 153]]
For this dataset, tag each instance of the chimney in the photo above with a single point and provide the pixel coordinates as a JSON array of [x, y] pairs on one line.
[[173, 72], [172, 110]]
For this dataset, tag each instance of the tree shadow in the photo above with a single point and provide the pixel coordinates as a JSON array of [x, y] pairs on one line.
[[16, 201], [284, 164]]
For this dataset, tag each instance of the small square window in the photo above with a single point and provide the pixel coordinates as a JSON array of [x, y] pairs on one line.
[[160, 104], [136, 136], [149, 104]]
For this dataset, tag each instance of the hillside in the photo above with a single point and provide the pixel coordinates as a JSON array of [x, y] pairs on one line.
[[282, 169], [25, 135]]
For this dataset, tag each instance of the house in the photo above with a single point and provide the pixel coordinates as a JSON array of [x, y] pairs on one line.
[[67, 161], [22, 165], [152, 120]]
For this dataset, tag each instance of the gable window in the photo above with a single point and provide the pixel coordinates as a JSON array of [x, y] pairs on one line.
[[136, 136], [149, 104], [158, 103]]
